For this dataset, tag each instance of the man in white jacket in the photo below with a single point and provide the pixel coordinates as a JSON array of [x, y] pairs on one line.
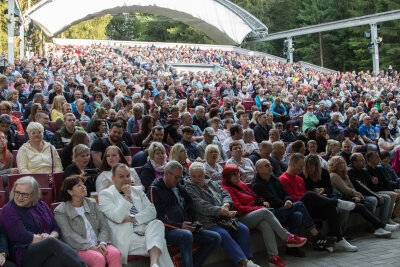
[[131, 217]]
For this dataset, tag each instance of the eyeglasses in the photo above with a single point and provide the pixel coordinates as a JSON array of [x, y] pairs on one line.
[[36, 133], [23, 195]]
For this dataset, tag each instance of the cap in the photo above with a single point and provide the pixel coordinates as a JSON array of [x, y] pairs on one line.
[[209, 131]]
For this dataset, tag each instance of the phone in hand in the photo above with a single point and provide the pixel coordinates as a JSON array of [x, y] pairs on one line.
[[198, 226]]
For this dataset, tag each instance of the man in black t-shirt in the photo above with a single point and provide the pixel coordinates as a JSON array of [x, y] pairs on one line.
[[114, 138], [352, 134]]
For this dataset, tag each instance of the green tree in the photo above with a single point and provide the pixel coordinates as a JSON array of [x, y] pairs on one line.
[[121, 27], [89, 29]]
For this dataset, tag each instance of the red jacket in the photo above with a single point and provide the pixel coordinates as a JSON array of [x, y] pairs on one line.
[[294, 185], [243, 198]]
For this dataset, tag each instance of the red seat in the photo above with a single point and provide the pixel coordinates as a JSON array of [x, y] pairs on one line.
[[84, 123], [247, 106], [59, 150], [41, 178], [17, 114], [137, 169], [134, 257], [2, 198], [15, 153], [54, 205], [52, 126], [134, 150], [134, 138], [21, 138], [58, 179], [47, 195]]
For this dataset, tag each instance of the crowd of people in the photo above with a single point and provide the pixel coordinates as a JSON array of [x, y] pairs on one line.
[[191, 160]]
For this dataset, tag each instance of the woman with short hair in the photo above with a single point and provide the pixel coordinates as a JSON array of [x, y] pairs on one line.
[[97, 130], [38, 156], [79, 137], [211, 166], [245, 165], [154, 168], [81, 114], [32, 230], [84, 226]]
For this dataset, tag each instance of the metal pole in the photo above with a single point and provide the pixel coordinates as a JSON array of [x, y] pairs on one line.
[[11, 7], [290, 49], [22, 43], [375, 47]]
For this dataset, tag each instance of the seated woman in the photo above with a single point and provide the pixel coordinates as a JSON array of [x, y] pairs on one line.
[[174, 114], [335, 127], [97, 130], [386, 143], [249, 141], [6, 158], [279, 111], [332, 149], [12, 98], [246, 167], [35, 107], [341, 182], [79, 137], [179, 154], [84, 226], [32, 230], [5, 108], [97, 98], [210, 204], [101, 113], [144, 136], [4, 253], [38, 156], [391, 177], [212, 168], [112, 156], [154, 168], [322, 139], [253, 212], [81, 114], [80, 162], [56, 111]]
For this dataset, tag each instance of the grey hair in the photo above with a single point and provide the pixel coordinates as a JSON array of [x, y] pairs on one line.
[[172, 165], [209, 148], [5, 118], [135, 96], [353, 119], [37, 96], [154, 147], [34, 185], [79, 101], [79, 149], [195, 166], [138, 105], [335, 114], [199, 108], [11, 93], [34, 126]]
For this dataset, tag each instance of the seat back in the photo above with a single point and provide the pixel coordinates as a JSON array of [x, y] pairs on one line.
[[15, 153], [21, 138], [52, 126], [134, 138], [54, 205], [134, 150], [41, 178], [2, 198], [17, 114], [58, 179]]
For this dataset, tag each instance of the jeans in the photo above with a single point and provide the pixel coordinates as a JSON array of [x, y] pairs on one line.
[[235, 243], [208, 241], [296, 216], [371, 203]]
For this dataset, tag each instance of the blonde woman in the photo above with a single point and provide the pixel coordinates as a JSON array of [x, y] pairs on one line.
[[56, 111], [249, 141], [154, 168], [182, 105], [179, 154], [332, 148], [254, 119], [211, 166]]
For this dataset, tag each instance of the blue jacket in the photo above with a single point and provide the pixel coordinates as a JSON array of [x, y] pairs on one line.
[[169, 211], [131, 127], [273, 107], [147, 175]]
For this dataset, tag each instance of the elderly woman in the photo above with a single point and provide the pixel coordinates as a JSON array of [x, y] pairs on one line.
[[212, 203], [80, 162], [81, 113], [84, 226], [32, 230], [250, 145], [335, 127], [253, 212], [211, 167], [246, 167], [309, 119], [5, 108], [97, 130], [179, 154], [56, 111], [112, 156], [154, 168], [12, 97], [38, 156], [341, 182], [278, 158], [221, 135], [279, 111]]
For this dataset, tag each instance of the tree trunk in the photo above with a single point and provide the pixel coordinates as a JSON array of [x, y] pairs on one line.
[[320, 49]]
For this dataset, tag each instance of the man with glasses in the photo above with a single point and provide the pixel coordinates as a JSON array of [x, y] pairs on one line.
[[174, 209]]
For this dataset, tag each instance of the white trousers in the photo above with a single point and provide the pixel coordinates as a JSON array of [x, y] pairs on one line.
[[153, 237]]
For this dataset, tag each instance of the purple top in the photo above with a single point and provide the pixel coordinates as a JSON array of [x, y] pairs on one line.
[[159, 174], [18, 236]]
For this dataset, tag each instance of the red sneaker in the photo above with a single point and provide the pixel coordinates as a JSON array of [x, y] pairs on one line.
[[294, 241], [277, 261]]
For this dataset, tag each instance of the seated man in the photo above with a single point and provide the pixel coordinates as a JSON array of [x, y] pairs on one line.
[[43, 118], [191, 149], [132, 220], [174, 209], [209, 135], [63, 136], [295, 214]]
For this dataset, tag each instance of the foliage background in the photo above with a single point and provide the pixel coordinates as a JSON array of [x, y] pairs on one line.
[[340, 50]]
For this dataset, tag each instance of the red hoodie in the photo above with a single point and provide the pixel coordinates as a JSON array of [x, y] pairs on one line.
[[243, 198], [294, 185]]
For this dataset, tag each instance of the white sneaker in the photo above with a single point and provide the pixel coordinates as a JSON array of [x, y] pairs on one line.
[[345, 246], [346, 205], [380, 232], [392, 227], [396, 219], [392, 221], [155, 265], [252, 264]]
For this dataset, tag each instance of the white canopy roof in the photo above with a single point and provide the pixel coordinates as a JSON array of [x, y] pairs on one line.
[[221, 20]]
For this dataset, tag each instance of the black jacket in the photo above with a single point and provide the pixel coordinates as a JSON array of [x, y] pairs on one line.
[[289, 137], [333, 130], [262, 189], [361, 181], [261, 133], [169, 211], [90, 182], [324, 182], [382, 183], [147, 175]]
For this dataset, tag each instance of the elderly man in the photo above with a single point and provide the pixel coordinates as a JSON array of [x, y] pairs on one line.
[[174, 209], [209, 134], [132, 219], [134, 122], [199, 119], [236, 132], [296, 113], [323, 115], [368, 133], [37, 98], [187, 120]]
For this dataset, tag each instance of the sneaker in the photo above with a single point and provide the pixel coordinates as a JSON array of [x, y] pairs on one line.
[[276, 261], [294, 241], [295, 252], [321, 243], [380, 232], [346, 205], [391, 227], [252, 264], [345, 246], [155, 265], [391, 221]]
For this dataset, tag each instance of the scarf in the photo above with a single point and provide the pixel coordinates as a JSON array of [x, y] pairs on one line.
[[29, 221], [157, 167]]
